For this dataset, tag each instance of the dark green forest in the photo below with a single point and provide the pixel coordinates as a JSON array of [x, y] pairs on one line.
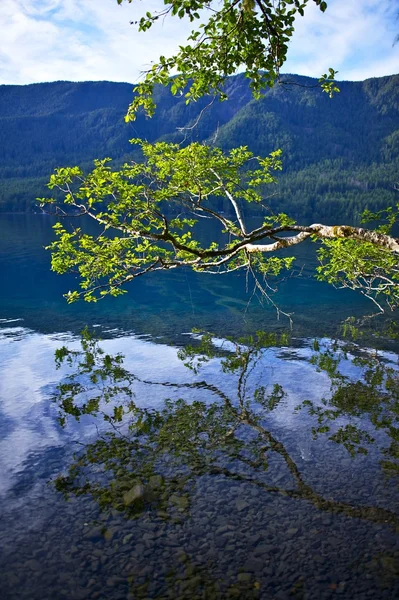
[[340, 155]]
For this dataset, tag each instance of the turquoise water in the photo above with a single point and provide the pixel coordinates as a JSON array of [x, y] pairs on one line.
[[162, 303], [244, 497]]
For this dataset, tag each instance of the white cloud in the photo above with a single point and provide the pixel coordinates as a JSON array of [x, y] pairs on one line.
[[47, 40], [69, 39], [356, 38]]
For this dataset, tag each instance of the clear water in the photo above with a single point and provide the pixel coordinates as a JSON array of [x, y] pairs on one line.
[[308, 520]]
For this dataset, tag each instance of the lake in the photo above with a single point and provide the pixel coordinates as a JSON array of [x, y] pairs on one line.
[[260, 468]]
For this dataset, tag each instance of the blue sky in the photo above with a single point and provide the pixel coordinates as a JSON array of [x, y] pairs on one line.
[[48, 40]]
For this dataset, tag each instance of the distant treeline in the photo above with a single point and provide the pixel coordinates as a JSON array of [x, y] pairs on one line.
[[340, 155]]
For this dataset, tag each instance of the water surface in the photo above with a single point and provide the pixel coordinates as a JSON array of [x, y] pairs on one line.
[[246, 496]]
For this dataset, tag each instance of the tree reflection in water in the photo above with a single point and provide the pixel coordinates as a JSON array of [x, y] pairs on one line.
[[149, 460]]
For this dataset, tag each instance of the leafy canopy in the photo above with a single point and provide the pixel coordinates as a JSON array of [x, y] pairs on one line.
[[252, 35], [150, 216], [365, 267], [148, 212]]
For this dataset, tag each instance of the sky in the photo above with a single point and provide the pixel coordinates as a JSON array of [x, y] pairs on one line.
[[92, 40]]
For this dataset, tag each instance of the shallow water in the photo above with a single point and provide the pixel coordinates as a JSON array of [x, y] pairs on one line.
[[276, 514]]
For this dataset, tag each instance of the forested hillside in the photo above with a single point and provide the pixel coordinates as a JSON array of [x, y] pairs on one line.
[[339, 154]]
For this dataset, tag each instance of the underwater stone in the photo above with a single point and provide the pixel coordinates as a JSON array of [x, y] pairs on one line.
[[135, 493]]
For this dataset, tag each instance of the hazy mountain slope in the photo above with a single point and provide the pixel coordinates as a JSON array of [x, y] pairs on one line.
[[333, 149]]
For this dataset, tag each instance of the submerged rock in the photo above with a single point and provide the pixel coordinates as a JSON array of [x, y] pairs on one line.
[[155, 482], [241, 504], [135, 493], [181, 502]]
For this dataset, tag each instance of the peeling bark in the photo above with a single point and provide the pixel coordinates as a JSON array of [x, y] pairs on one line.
[[331, 232]]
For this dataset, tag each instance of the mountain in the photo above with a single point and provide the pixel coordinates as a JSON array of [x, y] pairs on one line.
[[339, 154]]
